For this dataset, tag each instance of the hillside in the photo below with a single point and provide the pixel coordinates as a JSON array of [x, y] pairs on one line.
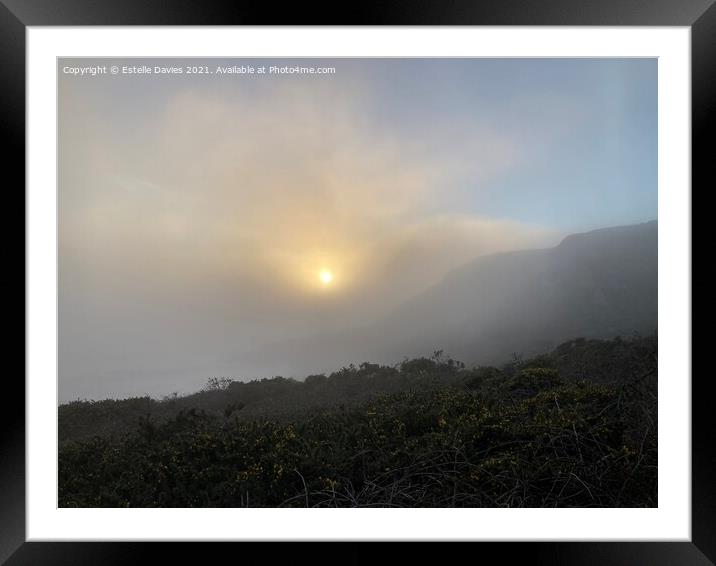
[[605, 362], [598, 284], [574, 427]]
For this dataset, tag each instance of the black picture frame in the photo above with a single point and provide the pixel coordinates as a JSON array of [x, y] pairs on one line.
[[16, 15]]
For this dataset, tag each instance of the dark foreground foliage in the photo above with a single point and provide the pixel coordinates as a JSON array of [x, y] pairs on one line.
[[429, 433]]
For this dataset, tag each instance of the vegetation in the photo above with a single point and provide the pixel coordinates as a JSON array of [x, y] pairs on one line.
[[575, 427]]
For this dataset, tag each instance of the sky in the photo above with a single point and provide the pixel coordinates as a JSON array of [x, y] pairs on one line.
[[197, 213]]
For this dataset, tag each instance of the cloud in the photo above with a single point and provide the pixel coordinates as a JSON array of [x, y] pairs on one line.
[[200, 231], [284, 183]]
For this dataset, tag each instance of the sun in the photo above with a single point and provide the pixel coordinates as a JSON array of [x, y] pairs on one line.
[[326, 277]]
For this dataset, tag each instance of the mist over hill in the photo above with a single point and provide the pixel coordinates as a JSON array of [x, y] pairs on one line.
[[597, 284]]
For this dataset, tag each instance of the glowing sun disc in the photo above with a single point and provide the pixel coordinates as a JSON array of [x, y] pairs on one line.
[[325, 276]]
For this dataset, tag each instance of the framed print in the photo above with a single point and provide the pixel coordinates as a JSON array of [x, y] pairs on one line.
[[398, 278]]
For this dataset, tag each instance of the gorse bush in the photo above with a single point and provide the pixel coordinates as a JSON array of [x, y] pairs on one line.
[[429, 434]]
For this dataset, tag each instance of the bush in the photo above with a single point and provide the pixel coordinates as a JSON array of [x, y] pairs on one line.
[[427, 434]]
